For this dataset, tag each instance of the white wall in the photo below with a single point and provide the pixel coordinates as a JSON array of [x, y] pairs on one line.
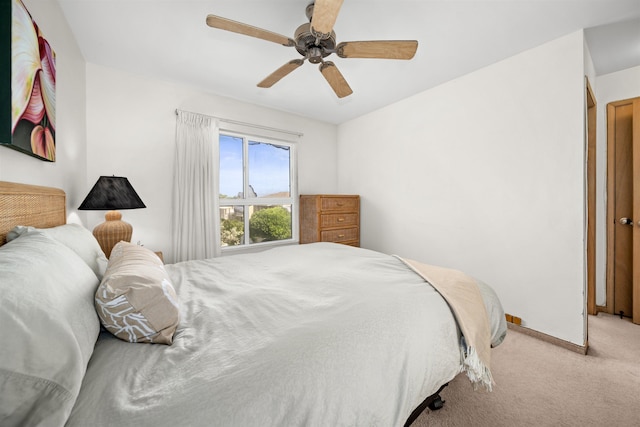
[[611, 87], [68, 171], [485, 174], [131, 132], [589, 66]]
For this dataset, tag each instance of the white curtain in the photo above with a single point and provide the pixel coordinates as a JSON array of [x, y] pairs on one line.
[[195, 202]]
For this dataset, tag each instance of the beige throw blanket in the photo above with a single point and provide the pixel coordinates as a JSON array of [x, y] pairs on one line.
[[463, 296]]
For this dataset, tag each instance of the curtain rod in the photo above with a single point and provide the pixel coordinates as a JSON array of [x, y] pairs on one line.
[[236, 122]]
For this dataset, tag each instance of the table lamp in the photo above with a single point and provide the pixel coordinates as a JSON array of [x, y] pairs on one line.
[[111, 193]]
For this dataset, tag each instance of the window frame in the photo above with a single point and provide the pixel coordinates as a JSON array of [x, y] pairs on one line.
[[292, 200]]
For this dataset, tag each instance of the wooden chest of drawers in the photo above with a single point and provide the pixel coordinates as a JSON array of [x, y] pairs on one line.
[[330, 218]]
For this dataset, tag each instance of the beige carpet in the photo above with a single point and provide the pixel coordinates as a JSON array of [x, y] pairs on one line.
[[540, 384]]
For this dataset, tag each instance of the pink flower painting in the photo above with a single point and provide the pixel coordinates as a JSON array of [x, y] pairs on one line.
[[33, 87]]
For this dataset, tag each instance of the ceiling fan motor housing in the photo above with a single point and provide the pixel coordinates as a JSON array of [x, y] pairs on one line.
[[310, 47]]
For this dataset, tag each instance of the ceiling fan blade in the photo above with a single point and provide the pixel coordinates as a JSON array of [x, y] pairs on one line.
[[248, 30], [281, 72], [325, 13], [383, 49], [335, 79]]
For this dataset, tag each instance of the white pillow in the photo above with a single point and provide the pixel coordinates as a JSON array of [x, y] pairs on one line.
[[48, 329], [75, 237]]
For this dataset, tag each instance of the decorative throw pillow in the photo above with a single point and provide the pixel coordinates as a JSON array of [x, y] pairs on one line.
[[75, 237], [136, 301], [48, 329]]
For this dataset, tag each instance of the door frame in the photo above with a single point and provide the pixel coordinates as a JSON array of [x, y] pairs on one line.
[[591, 197], [611, 168]]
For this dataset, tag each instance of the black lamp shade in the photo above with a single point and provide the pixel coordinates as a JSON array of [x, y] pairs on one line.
[[112, 193]]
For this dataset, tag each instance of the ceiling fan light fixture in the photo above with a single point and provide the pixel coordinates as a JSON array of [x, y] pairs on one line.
[[315, 55]]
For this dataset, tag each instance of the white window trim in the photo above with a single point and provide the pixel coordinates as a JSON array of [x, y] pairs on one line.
[[294, 200]]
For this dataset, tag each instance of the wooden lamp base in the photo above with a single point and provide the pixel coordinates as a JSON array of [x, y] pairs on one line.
[[112, 231]]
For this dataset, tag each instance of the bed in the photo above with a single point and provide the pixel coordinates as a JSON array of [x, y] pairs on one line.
[[317, 334]]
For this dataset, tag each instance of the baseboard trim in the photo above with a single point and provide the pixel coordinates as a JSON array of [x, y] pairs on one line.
[[582, 349]]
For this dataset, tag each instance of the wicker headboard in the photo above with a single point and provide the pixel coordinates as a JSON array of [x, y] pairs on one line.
[[23, 204]]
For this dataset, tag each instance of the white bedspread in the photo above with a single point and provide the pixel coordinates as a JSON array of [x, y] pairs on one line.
[[315, 335]]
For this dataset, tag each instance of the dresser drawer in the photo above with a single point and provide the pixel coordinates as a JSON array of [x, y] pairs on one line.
[[338, 220], [340, 235], [344, 204]]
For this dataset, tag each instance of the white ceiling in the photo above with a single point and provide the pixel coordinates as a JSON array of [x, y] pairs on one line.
[[169, 40]]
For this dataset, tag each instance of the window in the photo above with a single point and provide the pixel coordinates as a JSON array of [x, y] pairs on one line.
[[257, 194]]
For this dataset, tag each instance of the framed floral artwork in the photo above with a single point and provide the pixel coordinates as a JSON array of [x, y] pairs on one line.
[[28, 84]]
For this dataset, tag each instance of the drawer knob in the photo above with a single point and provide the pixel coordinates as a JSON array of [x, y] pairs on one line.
[[340, 219]]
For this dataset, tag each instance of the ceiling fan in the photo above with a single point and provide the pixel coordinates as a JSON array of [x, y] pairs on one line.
[[316, 40]]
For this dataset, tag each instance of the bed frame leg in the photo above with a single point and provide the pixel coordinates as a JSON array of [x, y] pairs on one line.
[[433, 402], [437, 403]]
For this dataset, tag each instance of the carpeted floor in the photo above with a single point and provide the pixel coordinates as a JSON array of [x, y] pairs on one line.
[[540, 384]]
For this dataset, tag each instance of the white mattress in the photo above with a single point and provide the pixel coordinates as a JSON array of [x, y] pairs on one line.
[[313, 335]]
